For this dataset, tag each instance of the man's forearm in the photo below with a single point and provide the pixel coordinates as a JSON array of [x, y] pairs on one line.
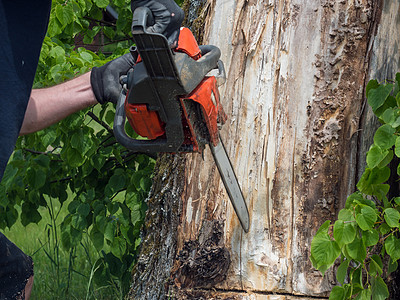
[[50, 105]]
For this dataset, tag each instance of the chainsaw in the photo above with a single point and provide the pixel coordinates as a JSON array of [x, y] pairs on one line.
[[171, 99]]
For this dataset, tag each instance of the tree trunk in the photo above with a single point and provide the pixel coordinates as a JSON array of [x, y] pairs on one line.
[[297, 134]]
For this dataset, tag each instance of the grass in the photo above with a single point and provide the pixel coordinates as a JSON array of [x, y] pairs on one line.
[[58, 274]]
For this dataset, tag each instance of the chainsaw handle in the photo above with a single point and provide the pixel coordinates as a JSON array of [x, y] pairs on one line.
[[192, 71], [142, 18], [209, 57]]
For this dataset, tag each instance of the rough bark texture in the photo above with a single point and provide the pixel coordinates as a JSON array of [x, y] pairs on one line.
[[295, 99]]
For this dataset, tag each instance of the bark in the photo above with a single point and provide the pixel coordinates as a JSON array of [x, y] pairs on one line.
[[297, 135]]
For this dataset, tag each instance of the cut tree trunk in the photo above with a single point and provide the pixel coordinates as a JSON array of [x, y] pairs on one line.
[[297, 134]]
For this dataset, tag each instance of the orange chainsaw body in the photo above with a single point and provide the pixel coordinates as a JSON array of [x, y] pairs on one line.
[[147, 123]]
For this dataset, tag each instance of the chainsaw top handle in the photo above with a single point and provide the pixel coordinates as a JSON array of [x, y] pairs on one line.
[[141, 20]]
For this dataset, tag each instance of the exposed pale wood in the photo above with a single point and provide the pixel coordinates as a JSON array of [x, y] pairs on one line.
[[294, 96]]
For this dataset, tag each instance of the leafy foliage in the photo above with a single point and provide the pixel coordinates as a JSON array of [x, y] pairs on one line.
[[366, 234], [79, 158]]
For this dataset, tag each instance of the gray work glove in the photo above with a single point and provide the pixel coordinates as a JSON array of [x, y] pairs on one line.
[[168, 17], [105, 79]]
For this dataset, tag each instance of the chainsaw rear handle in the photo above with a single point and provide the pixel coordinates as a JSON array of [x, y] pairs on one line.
[[142, 18]]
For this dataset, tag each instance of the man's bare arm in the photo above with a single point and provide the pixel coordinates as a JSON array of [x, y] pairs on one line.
[[50, 105]]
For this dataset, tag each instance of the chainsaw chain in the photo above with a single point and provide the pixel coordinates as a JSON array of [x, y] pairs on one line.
[[196, 119]]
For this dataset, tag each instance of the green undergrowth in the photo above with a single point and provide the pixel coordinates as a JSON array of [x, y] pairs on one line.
[[59, 274]]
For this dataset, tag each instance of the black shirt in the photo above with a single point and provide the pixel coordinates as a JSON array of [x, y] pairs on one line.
[[23, 25]]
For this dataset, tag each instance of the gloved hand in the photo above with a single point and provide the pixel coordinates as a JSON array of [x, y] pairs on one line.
[[168, 17], [105, 79]]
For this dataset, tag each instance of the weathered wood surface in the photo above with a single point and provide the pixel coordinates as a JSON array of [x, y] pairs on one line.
[[295, 100]]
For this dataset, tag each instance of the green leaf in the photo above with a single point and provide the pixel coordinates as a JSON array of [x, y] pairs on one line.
[[337, 293], [384, 228], [344, 232], [83, 209], [370, 237], [364, 295], [324, 251], [78, 222], [389, 116], [392, 266], [118, 247], [384, 137], [379, 289], [392, 247], [377, 96], [109, 232], [97, 239], [342, 271], [372, 84], [370, 182], [65, 14], [397, 147], [375, 265], [375, 156], [101, 3], [366, 218], [357, 250], [392, 217], [346, 215]]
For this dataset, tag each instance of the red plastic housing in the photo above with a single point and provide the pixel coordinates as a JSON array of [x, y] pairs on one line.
[[145, 122]]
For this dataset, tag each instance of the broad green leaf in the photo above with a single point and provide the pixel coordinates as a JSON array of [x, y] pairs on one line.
[[66, 239], [375, 156], [377, 96], [370, 182], [83, 209], [97, 239], [384, 228], [323, 229], [98, 161], [366, 218], [389, 116], [392, 247], [342, 271], [65, 14], [346, 215], [357, 250], [145, 183], [364, 295], [74, 157], [384, 137], [392, 266], [344, 232], [379, 289], [375, 265], [78, 222], [392, 217], [397, 147], [118, 247], [324, 250], [101, 3], [372, 84], [110, 231], [337, 293], [370, 237]]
